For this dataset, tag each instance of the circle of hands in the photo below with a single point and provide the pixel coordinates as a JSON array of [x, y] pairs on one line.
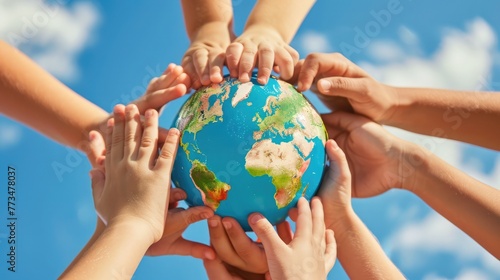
[[127, 164]]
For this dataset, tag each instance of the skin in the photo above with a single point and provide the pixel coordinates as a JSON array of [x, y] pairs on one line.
[[35, 98], [470, 117], [131, 199], [265, 40], [380, 162], [310, 254], [209, 25], [360, 254]]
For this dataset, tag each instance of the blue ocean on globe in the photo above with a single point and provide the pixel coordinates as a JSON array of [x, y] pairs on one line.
[[248, 148]]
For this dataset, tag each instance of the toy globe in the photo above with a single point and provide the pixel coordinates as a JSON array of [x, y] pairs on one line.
[[246, 148]]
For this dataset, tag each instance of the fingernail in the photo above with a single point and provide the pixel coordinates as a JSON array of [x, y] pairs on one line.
[[149, 113], [204, 216], [325, 85], [174, 131], [227, 225], [179, 196], [299, 86], [335, 146], [255, 218], [208, 255], [213, 223], [91, 137], [244, 77]]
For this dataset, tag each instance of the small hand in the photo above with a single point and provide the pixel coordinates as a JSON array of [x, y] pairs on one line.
[[234, 247], [172, 84], [262, 47], [374, 155], [311, 253], [137, 179], [204, 59], [218, 270], [336, 79]]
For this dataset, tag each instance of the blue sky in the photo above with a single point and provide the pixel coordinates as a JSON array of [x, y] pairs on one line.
[[107, 50]]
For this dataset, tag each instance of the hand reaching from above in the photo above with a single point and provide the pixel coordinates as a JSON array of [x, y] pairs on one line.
[[262, 47], [204, 59]]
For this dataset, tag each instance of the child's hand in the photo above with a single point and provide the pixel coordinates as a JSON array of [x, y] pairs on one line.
[[234, 247], [377, 158], [172, 84], [219, 270], [309, 255], [136, 189], [333, 76], [172, 242], [204, 59], [263, 47]]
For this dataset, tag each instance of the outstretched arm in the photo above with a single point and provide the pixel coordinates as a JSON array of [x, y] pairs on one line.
[[359, 252], [469, 204], [465, 116], [380, 161], [34, 97], [209, 26], [470, 117], [269, 29]]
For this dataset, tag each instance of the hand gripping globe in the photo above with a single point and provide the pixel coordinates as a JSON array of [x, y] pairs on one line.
[[247, 148]]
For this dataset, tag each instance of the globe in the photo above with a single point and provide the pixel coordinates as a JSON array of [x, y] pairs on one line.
[[247, 148]]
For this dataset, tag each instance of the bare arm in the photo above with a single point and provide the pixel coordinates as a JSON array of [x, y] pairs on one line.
[[469, 204], [284, 16], [472, 117], [358, 250], [115, 254], [269, 29], [209, 26], [34, 97]]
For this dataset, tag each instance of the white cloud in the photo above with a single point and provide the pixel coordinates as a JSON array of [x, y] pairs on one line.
[[10, 134], [312, 41], [435, 234], [463, 61], [386, 51], [51, 33]]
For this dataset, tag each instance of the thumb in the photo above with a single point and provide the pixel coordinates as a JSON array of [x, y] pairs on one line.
[[98, 178], [266, 233], [352, 88], [179, 219]]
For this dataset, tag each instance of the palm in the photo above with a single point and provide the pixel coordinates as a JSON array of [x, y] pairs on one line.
[[172, 242], [370, 154]]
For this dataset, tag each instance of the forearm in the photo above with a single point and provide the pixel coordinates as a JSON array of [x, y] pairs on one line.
[[285, 16], [97, 233], [471, 117], [360, 253], [198, 13], [115, 254], [469, 204], [34, 97]]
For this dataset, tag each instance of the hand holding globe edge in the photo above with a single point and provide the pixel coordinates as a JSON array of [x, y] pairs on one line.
[[275, 118]]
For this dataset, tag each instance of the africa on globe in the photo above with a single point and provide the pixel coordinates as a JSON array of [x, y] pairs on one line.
[[247, 148]]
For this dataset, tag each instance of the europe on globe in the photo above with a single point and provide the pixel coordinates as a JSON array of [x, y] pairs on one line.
[[247, 148]]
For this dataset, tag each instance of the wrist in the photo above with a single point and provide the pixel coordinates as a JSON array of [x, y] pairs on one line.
[[214, 32], [344, 225], [414, 162], [398, 101], [262, 29], [135, 229]]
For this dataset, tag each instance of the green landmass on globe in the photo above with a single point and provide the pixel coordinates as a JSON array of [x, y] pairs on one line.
[[287, 116]]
